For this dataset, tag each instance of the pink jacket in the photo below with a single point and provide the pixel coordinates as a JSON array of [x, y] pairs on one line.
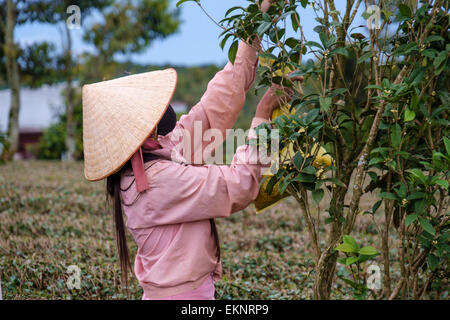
[[170, 221]]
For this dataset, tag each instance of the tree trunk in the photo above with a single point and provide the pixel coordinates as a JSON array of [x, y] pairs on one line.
[[326, 267], [71, 129], [325, 272], [389, 208], [12, 69]]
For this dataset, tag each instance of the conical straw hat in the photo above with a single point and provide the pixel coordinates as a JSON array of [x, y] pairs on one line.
[[119, 115]]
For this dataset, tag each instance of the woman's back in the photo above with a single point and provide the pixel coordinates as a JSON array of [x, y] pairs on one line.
[[175, 256]]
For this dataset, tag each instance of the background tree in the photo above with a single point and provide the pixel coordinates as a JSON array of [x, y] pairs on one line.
[[56, 13], [126, 27], [33, 63], [10, 51]]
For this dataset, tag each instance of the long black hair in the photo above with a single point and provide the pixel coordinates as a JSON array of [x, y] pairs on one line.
[[165, 126], [113, 194]]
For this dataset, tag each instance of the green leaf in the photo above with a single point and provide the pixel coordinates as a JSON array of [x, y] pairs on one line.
[[376, 206], [396, 135], [272, 182], [233, 51], [442, 183], [351, 241], [309, 170], [427, 226], [338, 91], [373, 175], [430, 53], [224, 40], [432, 39], [341, 260], [341, 51], [409, 115], [447, 145], [351, 283], [313, 44], [292, 42], [266, 17], [415, 196], [414, 101], [182, 1], [405, 10], [364, 57], [336, 182], [285, 183], [401, 191], [329, 220], [263, 28], [286, 14], [368, 251], [389, 195], [232, 9], [374, 86], [439, 60], [419, 175], [301, 177], [311, 116], [345, 247], [357, 36], [324, 39], [433, 261], [317, 195], [294, 20], [267, 55], [350, 260], [419, 206], [410, 219], [325, 103], [363, 258], [298, 160], [304, 3], [376, 160]]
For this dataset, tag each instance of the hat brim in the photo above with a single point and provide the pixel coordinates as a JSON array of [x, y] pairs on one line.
[[119, 115]]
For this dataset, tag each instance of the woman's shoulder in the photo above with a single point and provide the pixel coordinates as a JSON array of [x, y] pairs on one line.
[[152, 169]]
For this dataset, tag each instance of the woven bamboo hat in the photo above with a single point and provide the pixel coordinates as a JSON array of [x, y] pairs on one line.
[[119, 115]]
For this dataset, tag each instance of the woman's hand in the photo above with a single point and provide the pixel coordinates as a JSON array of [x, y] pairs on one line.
[[265, 5], [271, 100]]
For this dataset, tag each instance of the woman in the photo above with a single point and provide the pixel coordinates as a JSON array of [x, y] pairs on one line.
[[169, 203]]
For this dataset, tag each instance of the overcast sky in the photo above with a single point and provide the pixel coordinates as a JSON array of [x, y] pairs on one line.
[[196, 42]]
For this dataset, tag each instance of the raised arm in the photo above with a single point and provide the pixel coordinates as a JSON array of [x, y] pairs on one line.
[[221, 104], [182, 193], [223, 100]]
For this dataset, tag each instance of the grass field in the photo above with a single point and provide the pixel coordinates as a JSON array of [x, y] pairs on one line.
[[51, 217]]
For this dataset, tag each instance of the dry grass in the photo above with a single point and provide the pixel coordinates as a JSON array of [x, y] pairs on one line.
[[51, 217]]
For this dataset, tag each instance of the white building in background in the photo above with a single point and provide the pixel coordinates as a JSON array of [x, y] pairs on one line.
[[39, 109]]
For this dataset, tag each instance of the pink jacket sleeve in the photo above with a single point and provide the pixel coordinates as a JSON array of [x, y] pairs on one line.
[[182, 193], [220, 105]]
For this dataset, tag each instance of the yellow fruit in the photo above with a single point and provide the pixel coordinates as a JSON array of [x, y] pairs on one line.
[[322, 160]]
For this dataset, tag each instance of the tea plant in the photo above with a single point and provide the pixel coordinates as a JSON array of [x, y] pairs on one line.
[[377, 100]]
